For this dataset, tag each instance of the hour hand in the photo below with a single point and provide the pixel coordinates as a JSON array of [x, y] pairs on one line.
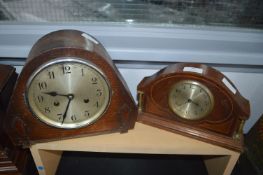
[[54, 93], [187, 101]]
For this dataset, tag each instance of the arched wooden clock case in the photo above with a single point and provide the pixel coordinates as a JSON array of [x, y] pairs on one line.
[[217, 116], [25, 123]]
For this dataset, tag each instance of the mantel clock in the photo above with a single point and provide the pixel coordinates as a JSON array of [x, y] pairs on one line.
[[69, 87], [194, 100]]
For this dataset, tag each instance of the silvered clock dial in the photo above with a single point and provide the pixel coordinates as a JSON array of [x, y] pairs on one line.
[[68, 93]]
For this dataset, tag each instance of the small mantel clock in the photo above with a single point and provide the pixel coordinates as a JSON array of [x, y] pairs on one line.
[[69, 87], [194, 100]]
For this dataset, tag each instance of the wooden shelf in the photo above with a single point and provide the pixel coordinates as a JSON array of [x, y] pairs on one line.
[[142, 139]]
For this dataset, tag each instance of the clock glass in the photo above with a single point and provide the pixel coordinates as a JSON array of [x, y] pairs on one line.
[[190, 100], [68, 93]]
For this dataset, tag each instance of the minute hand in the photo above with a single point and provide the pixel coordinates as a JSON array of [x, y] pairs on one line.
[[70, 97], [194, 103]]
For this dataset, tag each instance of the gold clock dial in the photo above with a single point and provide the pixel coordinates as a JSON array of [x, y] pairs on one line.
[[190, 100], [68, 93]]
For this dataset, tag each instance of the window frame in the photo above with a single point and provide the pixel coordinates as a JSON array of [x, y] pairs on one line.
[[151, 43]]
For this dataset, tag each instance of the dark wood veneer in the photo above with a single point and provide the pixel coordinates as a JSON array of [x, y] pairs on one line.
[[223, 126], [12, 159]]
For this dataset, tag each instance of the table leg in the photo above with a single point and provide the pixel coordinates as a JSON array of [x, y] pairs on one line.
[[220, 165], [46, 160]]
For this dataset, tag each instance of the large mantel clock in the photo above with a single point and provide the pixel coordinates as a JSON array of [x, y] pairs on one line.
[[69, 87], [194, 100]]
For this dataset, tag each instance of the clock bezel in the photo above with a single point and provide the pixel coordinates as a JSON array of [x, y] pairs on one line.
[[73, 125], [197, 83]]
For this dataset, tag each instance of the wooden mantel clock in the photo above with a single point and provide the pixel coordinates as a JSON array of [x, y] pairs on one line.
[[69, 87], [194, 100]]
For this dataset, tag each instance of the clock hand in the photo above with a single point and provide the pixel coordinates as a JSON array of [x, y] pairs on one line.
[[194, 103], [70, 97], [54, 93], [183, 104], [179, 105], [189, 101]]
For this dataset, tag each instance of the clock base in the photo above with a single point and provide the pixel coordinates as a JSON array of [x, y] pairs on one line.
[[186, 130]]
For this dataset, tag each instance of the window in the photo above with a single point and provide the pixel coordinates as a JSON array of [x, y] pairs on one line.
[[238, 13]]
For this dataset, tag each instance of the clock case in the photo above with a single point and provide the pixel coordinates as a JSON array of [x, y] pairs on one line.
[[13, 159], [223, 126], [24, 128]]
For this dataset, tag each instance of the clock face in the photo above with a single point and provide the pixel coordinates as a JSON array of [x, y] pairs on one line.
[[68, 93], [190, 100]]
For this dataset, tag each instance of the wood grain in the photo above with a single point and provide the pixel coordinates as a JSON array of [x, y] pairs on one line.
[[24, 128], [222, 126], [12, 159]]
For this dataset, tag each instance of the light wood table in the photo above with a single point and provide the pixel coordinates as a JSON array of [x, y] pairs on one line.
[[142, 139]]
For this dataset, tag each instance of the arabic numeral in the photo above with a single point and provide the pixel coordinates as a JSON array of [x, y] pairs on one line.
[[94, 80], [99, 92], [42, 85], [47, 110], [73, 118], [66, 70], [51, 75], [60, 117], [86, 113], [40, 98]]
